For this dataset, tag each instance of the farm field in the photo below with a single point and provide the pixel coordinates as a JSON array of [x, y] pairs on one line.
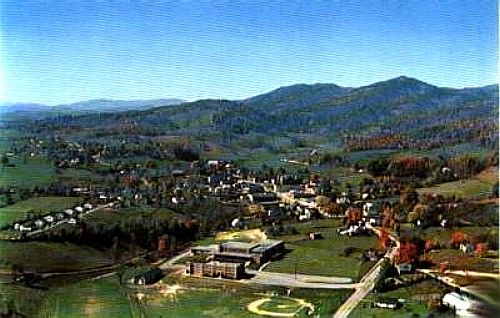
[[36, 205], [323, 256]]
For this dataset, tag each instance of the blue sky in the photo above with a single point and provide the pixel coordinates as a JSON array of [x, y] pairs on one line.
[[66, 51]]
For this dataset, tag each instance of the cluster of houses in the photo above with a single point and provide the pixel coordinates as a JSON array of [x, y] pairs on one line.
[[51, 219]]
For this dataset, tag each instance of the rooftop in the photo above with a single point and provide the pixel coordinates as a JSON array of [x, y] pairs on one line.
[[239, 245], [262, 247]]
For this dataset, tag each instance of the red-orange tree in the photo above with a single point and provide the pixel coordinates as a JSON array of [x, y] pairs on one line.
[[407, 253]]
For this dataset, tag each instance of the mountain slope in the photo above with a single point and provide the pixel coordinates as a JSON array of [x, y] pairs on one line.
[[402, 109]]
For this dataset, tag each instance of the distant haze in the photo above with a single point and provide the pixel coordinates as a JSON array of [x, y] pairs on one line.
[[91, 106]]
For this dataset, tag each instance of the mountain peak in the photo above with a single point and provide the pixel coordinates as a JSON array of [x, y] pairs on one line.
[[408, 81]]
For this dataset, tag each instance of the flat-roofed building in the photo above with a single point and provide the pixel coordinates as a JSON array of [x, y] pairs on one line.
[[237, 247], [241, 252], [205, 250], [216, 269]]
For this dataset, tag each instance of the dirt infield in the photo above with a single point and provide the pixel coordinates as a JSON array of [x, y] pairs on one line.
[[296, 305]]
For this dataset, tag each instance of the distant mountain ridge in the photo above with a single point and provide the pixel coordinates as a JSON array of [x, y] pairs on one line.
[[401, 108], [84, 107]]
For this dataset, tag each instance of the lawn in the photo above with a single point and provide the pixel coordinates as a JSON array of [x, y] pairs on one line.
[[182, 298], [34, 172], [323, 256], [36, 205]]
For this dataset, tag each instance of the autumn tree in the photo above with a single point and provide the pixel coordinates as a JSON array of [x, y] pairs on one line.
[[465, 166], [332, 209], [407, 253], [480, 249], [457, 238], [419, 212], [431, 244], [383, 238], [352, 216], [417, 167]]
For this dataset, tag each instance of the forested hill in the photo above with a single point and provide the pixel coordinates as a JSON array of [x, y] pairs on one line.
[[398, 112]]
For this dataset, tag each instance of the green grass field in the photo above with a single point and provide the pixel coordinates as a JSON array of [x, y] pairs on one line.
[[470, 188], [346, 177], [35, 172], [478, 187], [134, 213], [36, 205], [79, 177], [415, 305], [193, 298], [324, 256], [51, 257]]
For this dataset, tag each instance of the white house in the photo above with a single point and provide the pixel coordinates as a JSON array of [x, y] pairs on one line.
[[23, 228], [460, 302], [366, 208], [39, 223]]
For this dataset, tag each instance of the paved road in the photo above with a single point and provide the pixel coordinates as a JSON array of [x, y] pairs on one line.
[[300, 280], [367, 282], [170, 263], [463, 273]]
